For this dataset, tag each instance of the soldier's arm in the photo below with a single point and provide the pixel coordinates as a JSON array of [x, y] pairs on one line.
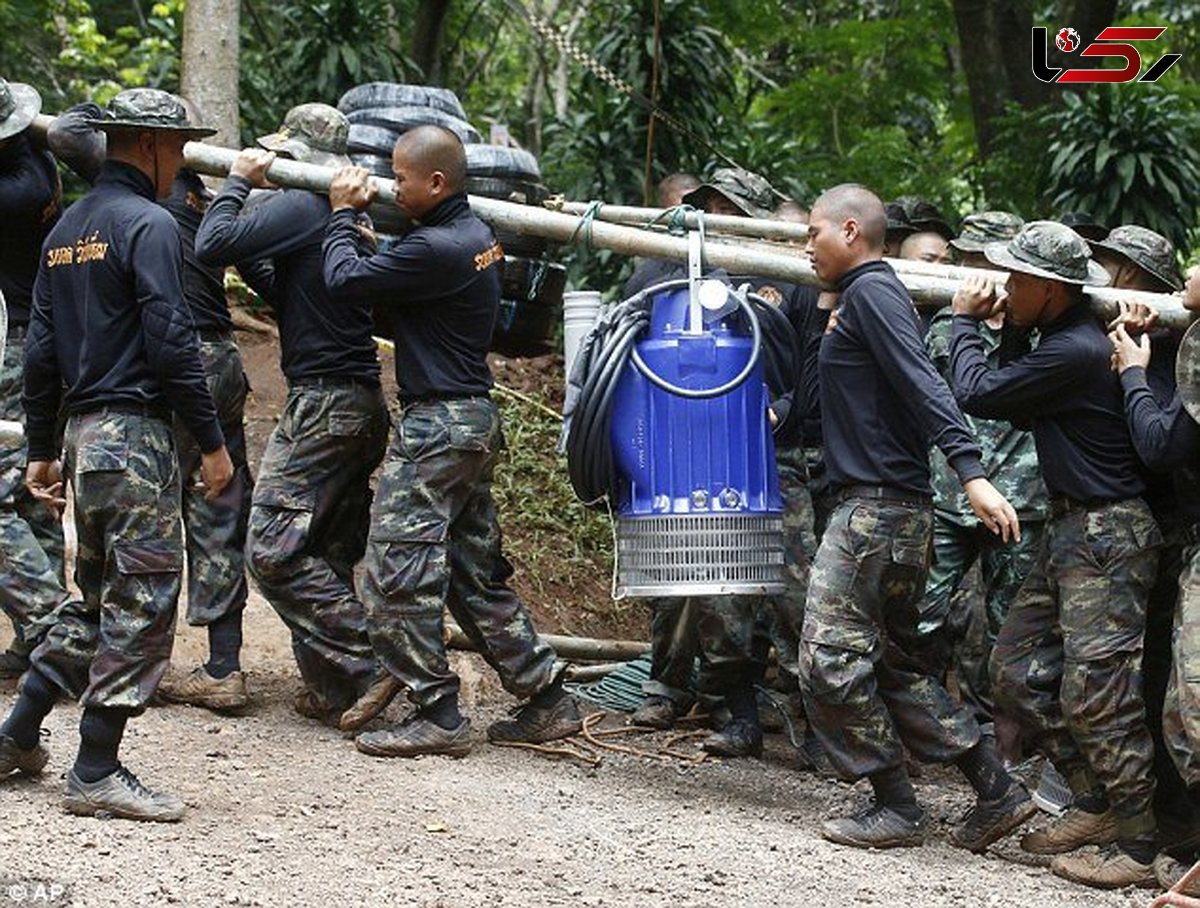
[[156, 263], [75, 143], [42, 392], [280, 224], [1164, 437], [25, 187]]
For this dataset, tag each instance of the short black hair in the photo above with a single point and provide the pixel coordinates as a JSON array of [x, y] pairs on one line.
[[431, 148], [853, 200]]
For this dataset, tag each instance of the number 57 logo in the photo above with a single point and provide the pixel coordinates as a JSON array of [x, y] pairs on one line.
[[1109, 43]]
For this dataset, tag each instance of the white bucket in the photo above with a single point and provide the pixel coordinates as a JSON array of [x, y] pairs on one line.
[[580, 308]]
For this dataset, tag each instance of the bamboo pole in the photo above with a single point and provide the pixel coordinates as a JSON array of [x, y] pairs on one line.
[[582, 649], [631, 216], [928, 289]]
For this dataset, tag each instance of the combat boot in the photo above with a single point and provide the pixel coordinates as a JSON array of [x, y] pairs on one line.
[[655, 712], [120, 794], [312, 705], [551, 714], [877, 826], [1110, 868], [990, 821], [739, 738], [1169, 872], [377, 698], [416, 736], [26, 762], [199, 688], [1071, 831]]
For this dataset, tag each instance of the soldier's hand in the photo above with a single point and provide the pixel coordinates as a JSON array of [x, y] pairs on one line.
[[978, 298], [252, 166], [216, 472], [828, 300], [1134, 316], [1128, 352], [352, 187], [43, 479], [993, 509]]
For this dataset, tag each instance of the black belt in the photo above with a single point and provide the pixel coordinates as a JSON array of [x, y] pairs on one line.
[[214, 335], [152, 411], [885, 493], [434, 397], [1061, 505], [334, 381]]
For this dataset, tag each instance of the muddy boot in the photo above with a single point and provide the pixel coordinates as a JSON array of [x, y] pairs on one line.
[[312, 705], [878, 827], [1110, 868], [655, 712], [120, 794], [199, 688], [739, 738], [417, 736], [371, 704], [1072, 831], [990, 821], [551, 714], [29, 762], [1168, 871], [1053, 794]]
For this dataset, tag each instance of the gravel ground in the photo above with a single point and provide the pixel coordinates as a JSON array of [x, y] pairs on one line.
[[286, 812]]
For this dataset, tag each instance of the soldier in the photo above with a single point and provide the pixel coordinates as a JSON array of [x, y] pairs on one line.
[[1085, 225], [110, 326], [435, 539], [792, 211], [673, 187], [308, 517], [866, 693], [31, 540], [1066, 661], [961, 630], [215, 531], [1167, 438]]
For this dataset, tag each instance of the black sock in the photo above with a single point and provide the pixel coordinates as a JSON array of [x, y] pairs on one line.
[[443, 712], [224, 646], [984, 770], [100, 733], [37, 698], [1141, 850], [1094, 801], [893, 789]]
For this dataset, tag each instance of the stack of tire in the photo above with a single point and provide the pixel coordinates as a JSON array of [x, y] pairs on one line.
[[380, 112]]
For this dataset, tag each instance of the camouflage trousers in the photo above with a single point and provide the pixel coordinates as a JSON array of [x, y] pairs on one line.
[[785, 614], [1067, 663], [435, 545], [960, 631], [674, 647], [866, 695], [216, 530], [1181, 712], [32, 580], [308, 526], [112, 648]]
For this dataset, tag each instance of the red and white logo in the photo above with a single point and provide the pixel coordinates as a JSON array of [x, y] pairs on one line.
[[1067, 40]]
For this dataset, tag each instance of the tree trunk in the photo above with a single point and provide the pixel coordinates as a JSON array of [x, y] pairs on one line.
[[427, 38], [209, 77]]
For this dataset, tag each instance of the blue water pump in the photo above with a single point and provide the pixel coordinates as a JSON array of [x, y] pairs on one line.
[[698, 504]]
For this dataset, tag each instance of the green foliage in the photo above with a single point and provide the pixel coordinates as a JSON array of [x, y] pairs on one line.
[[1127, 157]]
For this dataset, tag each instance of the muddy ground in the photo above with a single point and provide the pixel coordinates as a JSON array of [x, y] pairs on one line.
[[285, 812]]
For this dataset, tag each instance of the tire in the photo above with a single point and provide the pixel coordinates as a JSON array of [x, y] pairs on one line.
[[522, 192], [371, 140], [402, 119], [392, 94], [523, 329], [376, 163], [501, 161], [519, 245]]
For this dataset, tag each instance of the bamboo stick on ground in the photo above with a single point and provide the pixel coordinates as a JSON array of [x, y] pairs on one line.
[[585, 649]]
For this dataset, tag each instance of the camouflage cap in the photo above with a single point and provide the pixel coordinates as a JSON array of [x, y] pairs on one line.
[[985, 227], [1084, 224], [1051, 251], [19, 104], [923, 215], [312, 133], [148, 109], [897, 219], [751, 193], [1150, 251]]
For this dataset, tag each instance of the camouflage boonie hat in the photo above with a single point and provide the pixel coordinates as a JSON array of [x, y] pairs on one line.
[[19, 104], [148, 109], [985, 227], [897, 219], [1084, 224], [751, 193], [1051, 251], [312, 133], [1150, 251], [923, 216]]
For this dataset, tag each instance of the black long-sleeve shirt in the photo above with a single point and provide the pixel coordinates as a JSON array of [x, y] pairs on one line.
[[30, 204], [318, 336], [1166, 438], [1066, 390], [441, 284], [109, 322], [882, 403]]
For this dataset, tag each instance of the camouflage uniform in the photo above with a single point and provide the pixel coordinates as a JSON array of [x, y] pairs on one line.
[[867, 694], [1181, 712], [961, 630], [216, 530], [785, 613], [435, 544], [308, 525], [673, 648], [112, 648], [1067, 662], [32, 583]]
